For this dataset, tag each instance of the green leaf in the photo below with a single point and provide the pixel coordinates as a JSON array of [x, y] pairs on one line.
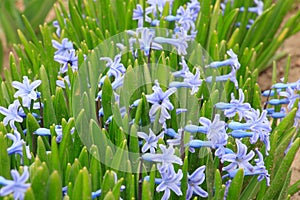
[[280, 176], [54, 186], [32, 125], [39, 181], [49, 116], [36, 11], [284, 192], [108, 183], [29, 195], [109, 196], [4, 158], [146, 194], [82, 187], [107, 98], [84, 157], [55, 162], [294, 188], [236, 185], [117, 189], [184, 180], [95, 168], [219, 187], [41, 150]]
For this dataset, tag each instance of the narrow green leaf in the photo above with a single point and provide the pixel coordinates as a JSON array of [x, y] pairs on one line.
[[146, 194], [39, 181], [54, 187], [108, 183], [84, 157], [82, 187], [236, 185], [4, 158], [280, 176]]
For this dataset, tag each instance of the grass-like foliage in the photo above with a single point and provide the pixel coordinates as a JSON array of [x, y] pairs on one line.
[[148, 100]]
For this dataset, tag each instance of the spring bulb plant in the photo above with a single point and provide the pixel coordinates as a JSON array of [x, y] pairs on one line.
[[150, 100]]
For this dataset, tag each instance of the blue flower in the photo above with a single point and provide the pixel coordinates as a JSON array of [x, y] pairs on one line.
[[157, 6], [64, 48], [260, 125], [259, 169], [151, 140], [180, 42], [160, 100], [17, 146], [258, 9], [177, 138], [290, 95], [68, 59], [185, 69], [146, 42], [194, 180], [231, 76], [116, 68], [170, 181], [11, 114], [232, 61], [167, 156], [235, 106], [193, 81], [63, 82], [17, 186], [216, 130], [56, 25], [293, 85], [138, 14], [26, 90], [240, 159]]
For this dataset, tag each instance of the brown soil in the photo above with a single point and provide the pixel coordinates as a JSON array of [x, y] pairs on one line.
[[292, 48]]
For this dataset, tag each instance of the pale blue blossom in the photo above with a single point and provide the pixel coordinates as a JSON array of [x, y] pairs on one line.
[[291, 95], [216, 130], [258, 9], [151, 140], [194, 180], [138, 14], [185, 69], [116, 68], [293, 85], [64, 48], [232, 61], [179, 42], [68, 59], [193, 81], [11, 114], [235, 106], [259, 169], [63, 82], [240, 159], [17, 145], [26, 90], [258, 124], [145, 39], [222, 78], [160, 101], [170, 181], [56, 25], [167, 156], [157, 6], [17, 186]]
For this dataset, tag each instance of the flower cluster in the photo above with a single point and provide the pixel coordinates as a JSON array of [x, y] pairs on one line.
[[284, 94]]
